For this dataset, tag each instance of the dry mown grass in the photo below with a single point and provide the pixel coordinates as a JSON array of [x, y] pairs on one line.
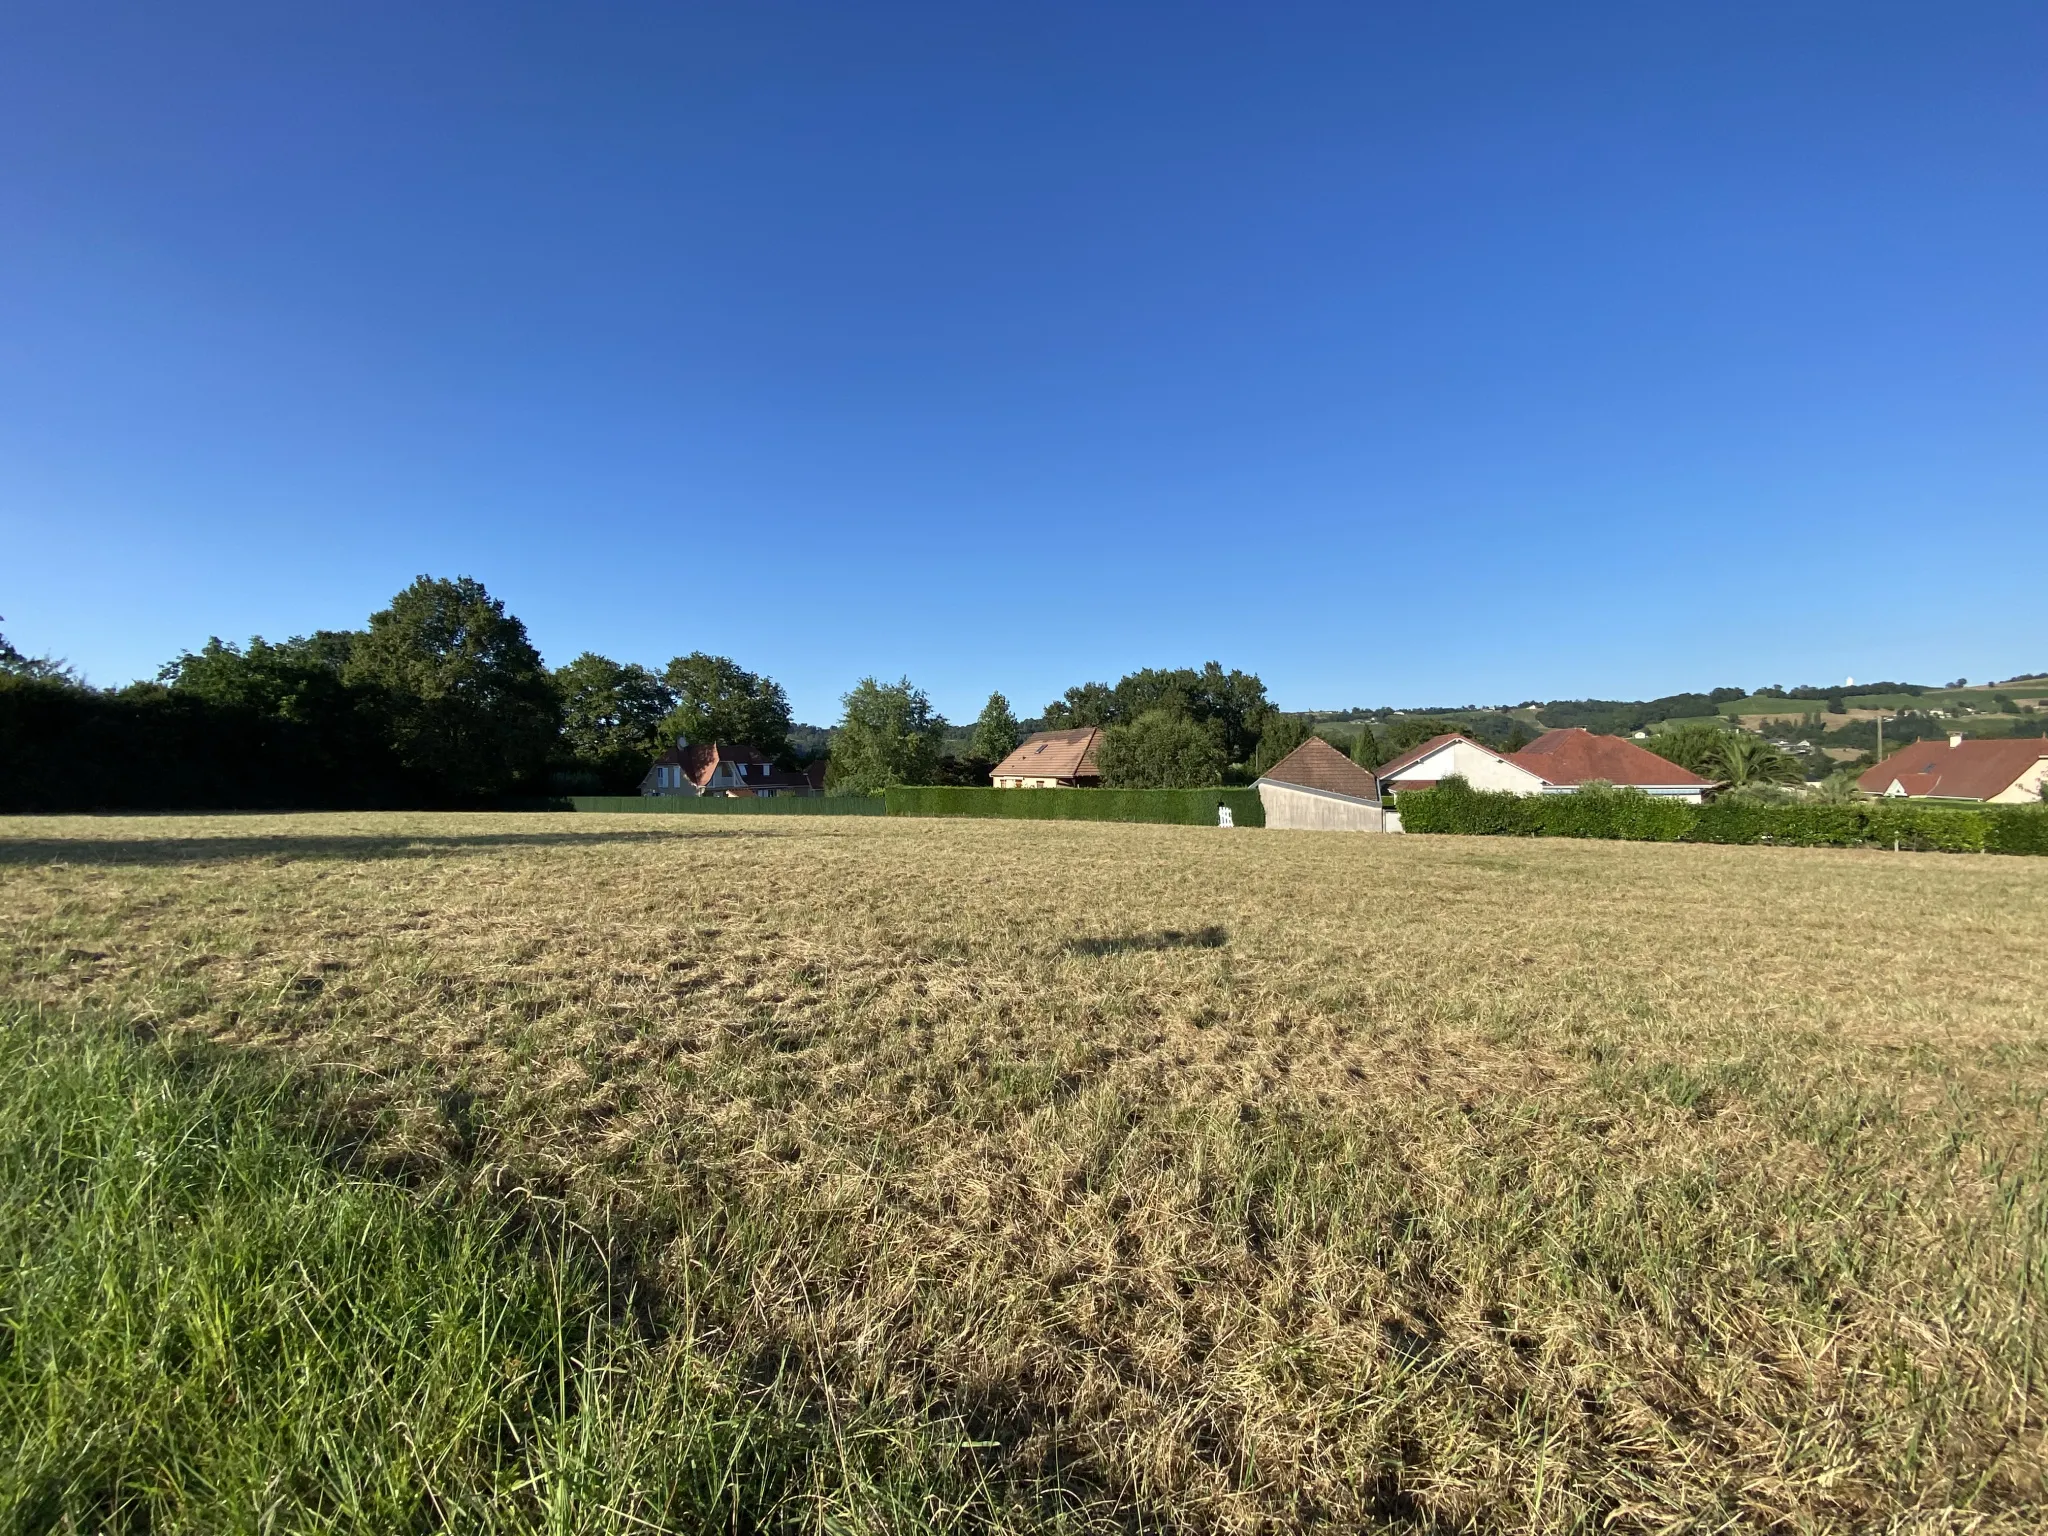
[[1251, 1180]]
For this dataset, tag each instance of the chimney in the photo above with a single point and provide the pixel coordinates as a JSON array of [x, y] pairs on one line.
[[1955, 739]]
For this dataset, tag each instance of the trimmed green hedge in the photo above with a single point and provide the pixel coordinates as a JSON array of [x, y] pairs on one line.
[[713, 805], [1453, 806], [1185, 807]]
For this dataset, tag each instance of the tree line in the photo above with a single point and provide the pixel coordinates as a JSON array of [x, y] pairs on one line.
[[442, 699]]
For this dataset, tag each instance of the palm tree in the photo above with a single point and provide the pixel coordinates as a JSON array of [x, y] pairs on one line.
[[1838, 788], [1747, 760], [1695, 747]]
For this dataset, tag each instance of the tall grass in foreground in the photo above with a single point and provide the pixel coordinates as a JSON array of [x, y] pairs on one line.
[[207, 1324]]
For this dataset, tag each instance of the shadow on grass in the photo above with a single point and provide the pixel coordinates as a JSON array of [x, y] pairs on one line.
[[221, 850], [1211, 937]]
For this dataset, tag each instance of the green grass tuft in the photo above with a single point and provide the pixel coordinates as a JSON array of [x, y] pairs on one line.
[[208, 1324]]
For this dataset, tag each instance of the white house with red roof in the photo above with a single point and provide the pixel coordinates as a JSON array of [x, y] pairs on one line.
[[1996, 770], [721, 768], [1555, 763]]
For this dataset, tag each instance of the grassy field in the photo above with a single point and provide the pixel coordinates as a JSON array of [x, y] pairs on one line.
[[1031, 1174]]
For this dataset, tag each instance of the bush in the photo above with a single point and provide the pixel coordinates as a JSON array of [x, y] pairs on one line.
[[1184, 807], [1455, 807], [2016, 829]]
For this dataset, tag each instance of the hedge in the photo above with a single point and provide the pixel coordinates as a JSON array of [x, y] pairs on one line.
[[1454, 806], [1184, 807], [715, 805]]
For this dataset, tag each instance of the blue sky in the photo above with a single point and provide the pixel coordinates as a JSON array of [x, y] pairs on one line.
[[1402, 355]]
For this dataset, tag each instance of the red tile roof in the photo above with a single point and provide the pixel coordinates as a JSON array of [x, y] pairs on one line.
[[701, 759], [1575, 755], [1053, 755], [1315, 764], [1968, 770], [1418, 752]]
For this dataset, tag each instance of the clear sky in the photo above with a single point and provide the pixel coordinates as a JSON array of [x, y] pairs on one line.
[[1402, 354]]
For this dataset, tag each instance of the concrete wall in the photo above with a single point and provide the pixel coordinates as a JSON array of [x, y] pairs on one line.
[[1309, 810]]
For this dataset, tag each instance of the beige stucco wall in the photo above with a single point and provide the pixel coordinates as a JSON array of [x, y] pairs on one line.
[[1031, 784], [2026, 788], [1481, 769], [1304, 810]]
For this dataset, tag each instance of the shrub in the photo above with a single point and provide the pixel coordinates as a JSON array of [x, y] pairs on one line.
[[1184, 807], [1455, 807], [2016, 829]]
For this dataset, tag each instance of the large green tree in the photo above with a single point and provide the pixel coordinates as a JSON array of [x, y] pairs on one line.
[[719, 700], [468, 706], [287, 706], [297, 679], [1083, 704], [1697, 747], [996, 733], [612, 713], [32, 669], [890, 734], [1235, 702], [1283, 733], [1161, 749]]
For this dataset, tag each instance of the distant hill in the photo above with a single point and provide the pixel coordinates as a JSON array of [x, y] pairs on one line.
[[1621, 716]]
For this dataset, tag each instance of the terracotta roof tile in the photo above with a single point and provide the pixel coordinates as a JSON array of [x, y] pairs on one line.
[[1575, 755], [1053, 755], [1315, 764], [1969, 770]]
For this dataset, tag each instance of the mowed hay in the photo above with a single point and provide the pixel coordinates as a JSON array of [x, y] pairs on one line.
[[1240, 1180]]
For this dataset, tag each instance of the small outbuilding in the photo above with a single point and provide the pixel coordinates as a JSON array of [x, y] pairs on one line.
[[1316, 788]]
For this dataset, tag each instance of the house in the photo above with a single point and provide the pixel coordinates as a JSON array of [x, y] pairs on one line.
[[1316, 788], [1996, 771], [1555, 763], [1052, 760], [723, 769]]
